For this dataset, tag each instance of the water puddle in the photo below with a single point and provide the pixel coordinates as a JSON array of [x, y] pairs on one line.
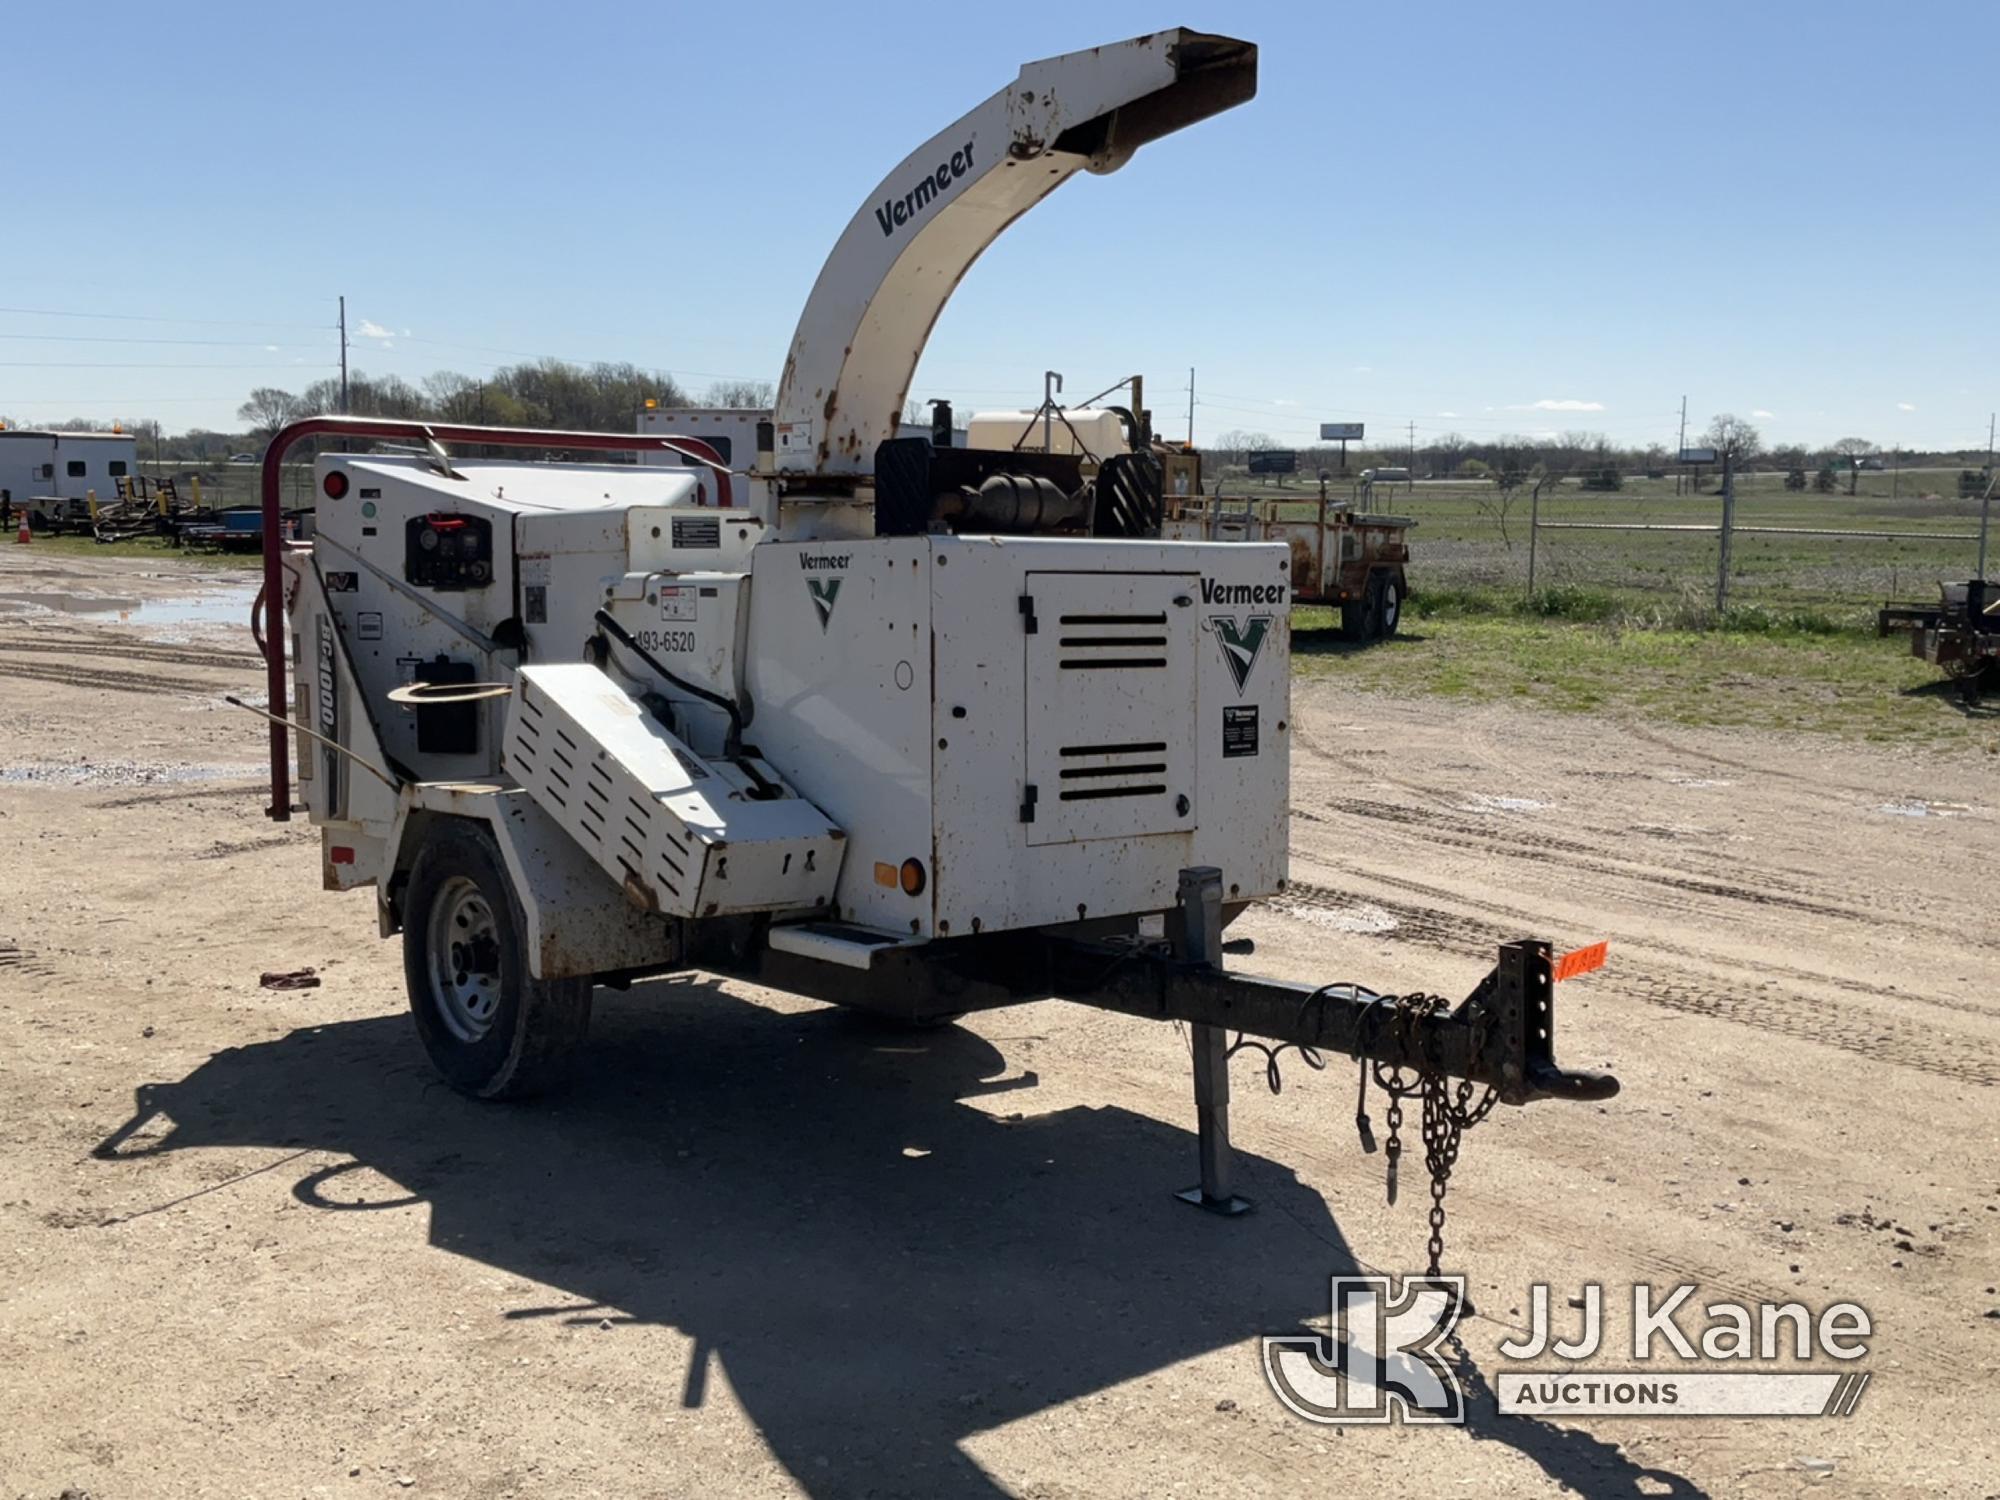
[[67, 604], [1360, 917], [1917, 807], [229, 605], [122, 773], [1479, 802]]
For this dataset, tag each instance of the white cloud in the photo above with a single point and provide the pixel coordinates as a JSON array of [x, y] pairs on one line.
[[1364, 369], [1282, 401], [1447, 413], [1904, 406], [1566, 404], [1760, 412], [373, 330]]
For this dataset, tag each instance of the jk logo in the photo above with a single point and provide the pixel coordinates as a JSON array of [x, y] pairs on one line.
[[1240, 643], [1381, 1358], [824, 591]]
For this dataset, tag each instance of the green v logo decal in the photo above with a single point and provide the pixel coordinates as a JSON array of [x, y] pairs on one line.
[[1241, 643], [824, 592]]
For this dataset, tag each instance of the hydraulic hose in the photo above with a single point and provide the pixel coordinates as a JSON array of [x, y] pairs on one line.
[[734, 745]]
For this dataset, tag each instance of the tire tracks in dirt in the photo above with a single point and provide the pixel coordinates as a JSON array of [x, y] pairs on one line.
[[227, 849], [174, 656], [1780, 894], [1790, 1014], [106, 680], [245, 788], [1516, 924], [1808, 782], [18, 960], [1542, 848]]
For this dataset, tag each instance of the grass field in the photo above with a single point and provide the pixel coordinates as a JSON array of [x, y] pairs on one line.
[[1470, 541], [151, 548], [1840, 682]]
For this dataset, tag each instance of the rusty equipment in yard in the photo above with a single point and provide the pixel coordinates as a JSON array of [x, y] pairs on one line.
[[915, 729], [1345, 559], [1959, 634]]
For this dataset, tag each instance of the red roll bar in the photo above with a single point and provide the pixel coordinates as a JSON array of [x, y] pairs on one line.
[[273, 596]]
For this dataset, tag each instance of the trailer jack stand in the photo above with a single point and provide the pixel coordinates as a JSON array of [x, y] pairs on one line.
[[1199, 941]]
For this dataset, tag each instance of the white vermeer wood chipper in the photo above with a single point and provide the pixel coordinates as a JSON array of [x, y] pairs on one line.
[[910, 728]]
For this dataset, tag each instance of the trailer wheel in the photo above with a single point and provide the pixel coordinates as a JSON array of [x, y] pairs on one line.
[[492, 1030], [1386, 601], [1354, 621]]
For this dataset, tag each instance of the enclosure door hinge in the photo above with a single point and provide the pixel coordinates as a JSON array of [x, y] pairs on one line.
[[1028, 622], [1028, 803]]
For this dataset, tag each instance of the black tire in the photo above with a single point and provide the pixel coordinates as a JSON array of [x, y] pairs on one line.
[[1354, 621], [492, 1030], [1385, 608]]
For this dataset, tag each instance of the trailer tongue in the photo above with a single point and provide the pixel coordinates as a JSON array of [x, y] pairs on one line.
[[917, 730]]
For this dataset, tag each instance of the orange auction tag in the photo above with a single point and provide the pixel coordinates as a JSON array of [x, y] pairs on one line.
[[1580, 961]]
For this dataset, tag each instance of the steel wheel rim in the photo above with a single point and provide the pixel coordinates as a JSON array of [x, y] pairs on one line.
[[1391, 605], [462, 946]]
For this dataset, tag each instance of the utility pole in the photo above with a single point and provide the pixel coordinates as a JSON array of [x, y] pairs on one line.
[[1728, 528], [1986, 501], [1413, 455], [343, 356], [1190, 406], [1681, 445]]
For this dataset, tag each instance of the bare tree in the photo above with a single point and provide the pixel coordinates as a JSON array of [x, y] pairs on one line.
[[1497, 504], [268, 409], [1854, 449], [747, 395], [1447, 453], [1730, 434]]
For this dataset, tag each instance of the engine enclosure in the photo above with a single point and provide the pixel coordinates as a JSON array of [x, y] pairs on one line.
[[1026, 715]]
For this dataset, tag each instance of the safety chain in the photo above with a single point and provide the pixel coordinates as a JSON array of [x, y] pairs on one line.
[[1448, 1109]]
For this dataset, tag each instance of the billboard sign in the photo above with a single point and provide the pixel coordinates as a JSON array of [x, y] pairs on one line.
[[1697, 455], [1340, 432], [1274, 461]]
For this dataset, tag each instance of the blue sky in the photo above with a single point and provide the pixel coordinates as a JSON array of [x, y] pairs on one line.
[[1470, 217]]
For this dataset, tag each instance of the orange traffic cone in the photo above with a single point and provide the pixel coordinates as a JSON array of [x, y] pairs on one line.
[[23, 536]]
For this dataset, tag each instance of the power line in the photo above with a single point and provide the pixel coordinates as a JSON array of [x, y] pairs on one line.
[[47, 312], [232, 397], [97, 338], [47, 364]]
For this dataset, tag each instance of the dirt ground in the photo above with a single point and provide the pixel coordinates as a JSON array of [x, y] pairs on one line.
[[249, 1246]]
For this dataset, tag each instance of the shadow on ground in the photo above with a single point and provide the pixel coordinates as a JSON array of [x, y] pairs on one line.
[[1330, 642], [749, 1177], [1982, 703]]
